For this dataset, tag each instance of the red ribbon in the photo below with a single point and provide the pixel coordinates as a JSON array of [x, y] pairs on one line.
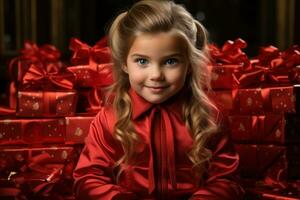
[[31, 53], [230, 53], [47, 77], [86, 55]]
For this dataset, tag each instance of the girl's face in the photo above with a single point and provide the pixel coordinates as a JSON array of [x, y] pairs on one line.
[[156, 65]]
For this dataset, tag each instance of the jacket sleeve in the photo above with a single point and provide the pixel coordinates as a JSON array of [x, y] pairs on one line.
[[93, 174], [223, 177]]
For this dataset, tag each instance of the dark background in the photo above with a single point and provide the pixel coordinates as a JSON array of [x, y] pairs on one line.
[[258, 22]]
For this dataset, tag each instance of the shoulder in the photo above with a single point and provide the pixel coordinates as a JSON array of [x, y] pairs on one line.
[[105, 118]]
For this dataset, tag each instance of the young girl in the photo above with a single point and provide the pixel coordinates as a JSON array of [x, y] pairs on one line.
[[160, 138]]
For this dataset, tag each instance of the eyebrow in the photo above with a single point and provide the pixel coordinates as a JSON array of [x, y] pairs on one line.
[[167, 56]]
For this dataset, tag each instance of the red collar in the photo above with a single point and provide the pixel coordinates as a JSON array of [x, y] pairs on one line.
[[141, 106]]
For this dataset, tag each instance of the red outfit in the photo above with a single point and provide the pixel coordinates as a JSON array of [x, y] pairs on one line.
[[161, 168]]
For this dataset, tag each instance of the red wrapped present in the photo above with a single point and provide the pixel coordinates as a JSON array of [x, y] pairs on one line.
[[250, 101], [46, 103], [91, 65], [256, 159], [272, 129], [279, 99], [99, 75], [225, 100], [272, 161], [34, 183], [20, 159], [223, 76], [32, 131], [77, 128], [244, 128]]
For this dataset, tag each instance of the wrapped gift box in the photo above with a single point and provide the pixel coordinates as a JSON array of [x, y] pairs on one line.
[[259, 161], [99, 75], [281, 99], [16, 158], [32, 131], [225, 100], [264, 129], [46, 103], [77, 128], [250, 101], [244, 128], [223, 76], [34, 183]]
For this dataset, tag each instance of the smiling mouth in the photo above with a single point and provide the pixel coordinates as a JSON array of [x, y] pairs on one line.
[[157, 89]]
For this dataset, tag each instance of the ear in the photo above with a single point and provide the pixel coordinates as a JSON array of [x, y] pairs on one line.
[[125, 69]]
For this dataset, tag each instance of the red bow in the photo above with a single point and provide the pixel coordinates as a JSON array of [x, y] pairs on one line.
[[230, 53], [46, 77], [84, 54]]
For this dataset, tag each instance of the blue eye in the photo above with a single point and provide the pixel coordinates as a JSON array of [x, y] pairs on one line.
[[141, 61], [171, 61]]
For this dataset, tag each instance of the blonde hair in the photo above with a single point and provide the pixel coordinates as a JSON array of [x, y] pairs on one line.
[[153, 16]]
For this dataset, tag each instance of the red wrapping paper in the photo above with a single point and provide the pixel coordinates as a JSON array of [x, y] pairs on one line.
[[263, 129], [225, 100], [91, 65], [77, 128], [98, 75], [244, 128], [20, 159], [223, 76], [34, 183], [32, 131], [272, 129], [46, 104], [250, 101], [255, 160], [279, 99], [278, 163]]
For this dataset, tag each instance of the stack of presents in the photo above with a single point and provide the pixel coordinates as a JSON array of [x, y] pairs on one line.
[[51, 104], [260, 98]]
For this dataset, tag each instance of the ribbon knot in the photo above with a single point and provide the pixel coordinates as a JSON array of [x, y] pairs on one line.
[[39, 76], [85, 54]]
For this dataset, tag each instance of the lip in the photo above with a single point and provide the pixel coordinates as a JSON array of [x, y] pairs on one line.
[[157, 89]]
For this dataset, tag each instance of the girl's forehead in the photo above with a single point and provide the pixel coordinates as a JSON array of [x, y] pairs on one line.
[[162, 41]]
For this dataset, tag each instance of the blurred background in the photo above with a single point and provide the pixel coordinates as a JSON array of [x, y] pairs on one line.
[[258, 22]]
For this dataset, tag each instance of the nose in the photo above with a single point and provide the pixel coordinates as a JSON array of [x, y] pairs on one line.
[[156, 73]]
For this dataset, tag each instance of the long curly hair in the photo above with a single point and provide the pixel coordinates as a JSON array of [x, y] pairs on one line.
[[153, 16]]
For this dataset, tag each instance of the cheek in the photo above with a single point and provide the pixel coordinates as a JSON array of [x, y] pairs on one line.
[[178, 77], [135, 76]]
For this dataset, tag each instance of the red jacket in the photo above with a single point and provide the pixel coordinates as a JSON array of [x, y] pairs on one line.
[[161, 168]]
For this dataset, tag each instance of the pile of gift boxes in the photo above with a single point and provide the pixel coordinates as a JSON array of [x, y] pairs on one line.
[[51, 104], [260, 98], [43, 127]]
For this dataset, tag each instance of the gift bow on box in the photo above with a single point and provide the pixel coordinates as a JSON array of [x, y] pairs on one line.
[[84, 54], [34, 54], [49, 76], [230, 53], [278, 67]]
